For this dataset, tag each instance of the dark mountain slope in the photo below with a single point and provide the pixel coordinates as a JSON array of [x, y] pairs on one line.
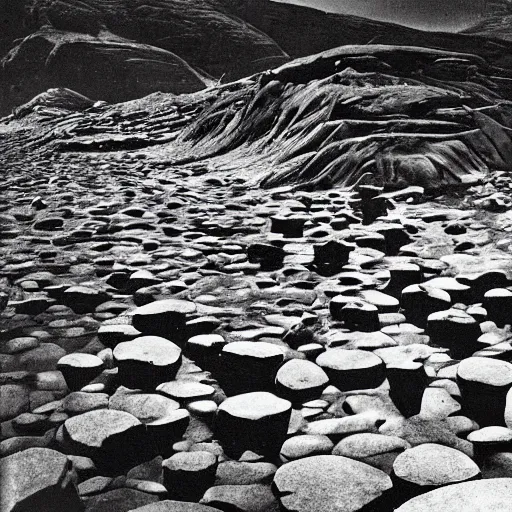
[[301, 31], [497, 23], [120, 56], [103, 67], [202, 34]]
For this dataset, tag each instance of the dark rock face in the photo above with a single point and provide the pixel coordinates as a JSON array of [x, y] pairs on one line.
[[117, 52], [99, 67], [387, 115]]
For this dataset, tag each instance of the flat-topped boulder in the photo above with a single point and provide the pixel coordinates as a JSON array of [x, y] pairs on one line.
[[352, 369], [186, 391], [112, 334], [204, 349], [268, 256], [79, 369], [147, 361], [187, 475], [498, 302], [245, 498], [255, 421], [484, 383], [119, 500], [84, 299], [489, 494], [298, 447], [459, 292], [166, 318], [427, 466], [146, 407], [402, 275], [456, 330], [331, 257], [168, 429], [356, 314], [175, 506], [38, 479], [337, 483], [384, 302], [113, 439], [418, 301], [300, 380], [249, 366], [489, 442], [377, 450]]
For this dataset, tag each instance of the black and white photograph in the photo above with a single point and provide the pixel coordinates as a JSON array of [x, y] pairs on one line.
[[255, 255]]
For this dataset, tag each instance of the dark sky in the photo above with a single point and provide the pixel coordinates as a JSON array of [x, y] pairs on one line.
[[447, 15]]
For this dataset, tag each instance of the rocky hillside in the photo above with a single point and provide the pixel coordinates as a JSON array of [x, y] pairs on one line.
[[120, 50], [391, 115], [496, 23], [128, 49]]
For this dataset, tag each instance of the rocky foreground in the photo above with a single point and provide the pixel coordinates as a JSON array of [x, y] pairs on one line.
[[175, 337]]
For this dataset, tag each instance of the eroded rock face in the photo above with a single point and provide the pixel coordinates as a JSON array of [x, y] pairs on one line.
[[224, 38], [341, 150]]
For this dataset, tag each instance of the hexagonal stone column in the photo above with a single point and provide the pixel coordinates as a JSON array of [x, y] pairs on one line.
[[270, 257], [401, 276], [79, 369], [419, 301], [407, 381], [289, 226], [484, 384], [187, 475], [205, 350], [333, 483], [331, 257], [166, 318], [115, 440], [456, 330], [498, 303], [253, 421], [352, 369], [357, 314], [249, 366], [146, 362]]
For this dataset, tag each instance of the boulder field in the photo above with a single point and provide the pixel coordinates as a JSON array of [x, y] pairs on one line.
[[179, 333]]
